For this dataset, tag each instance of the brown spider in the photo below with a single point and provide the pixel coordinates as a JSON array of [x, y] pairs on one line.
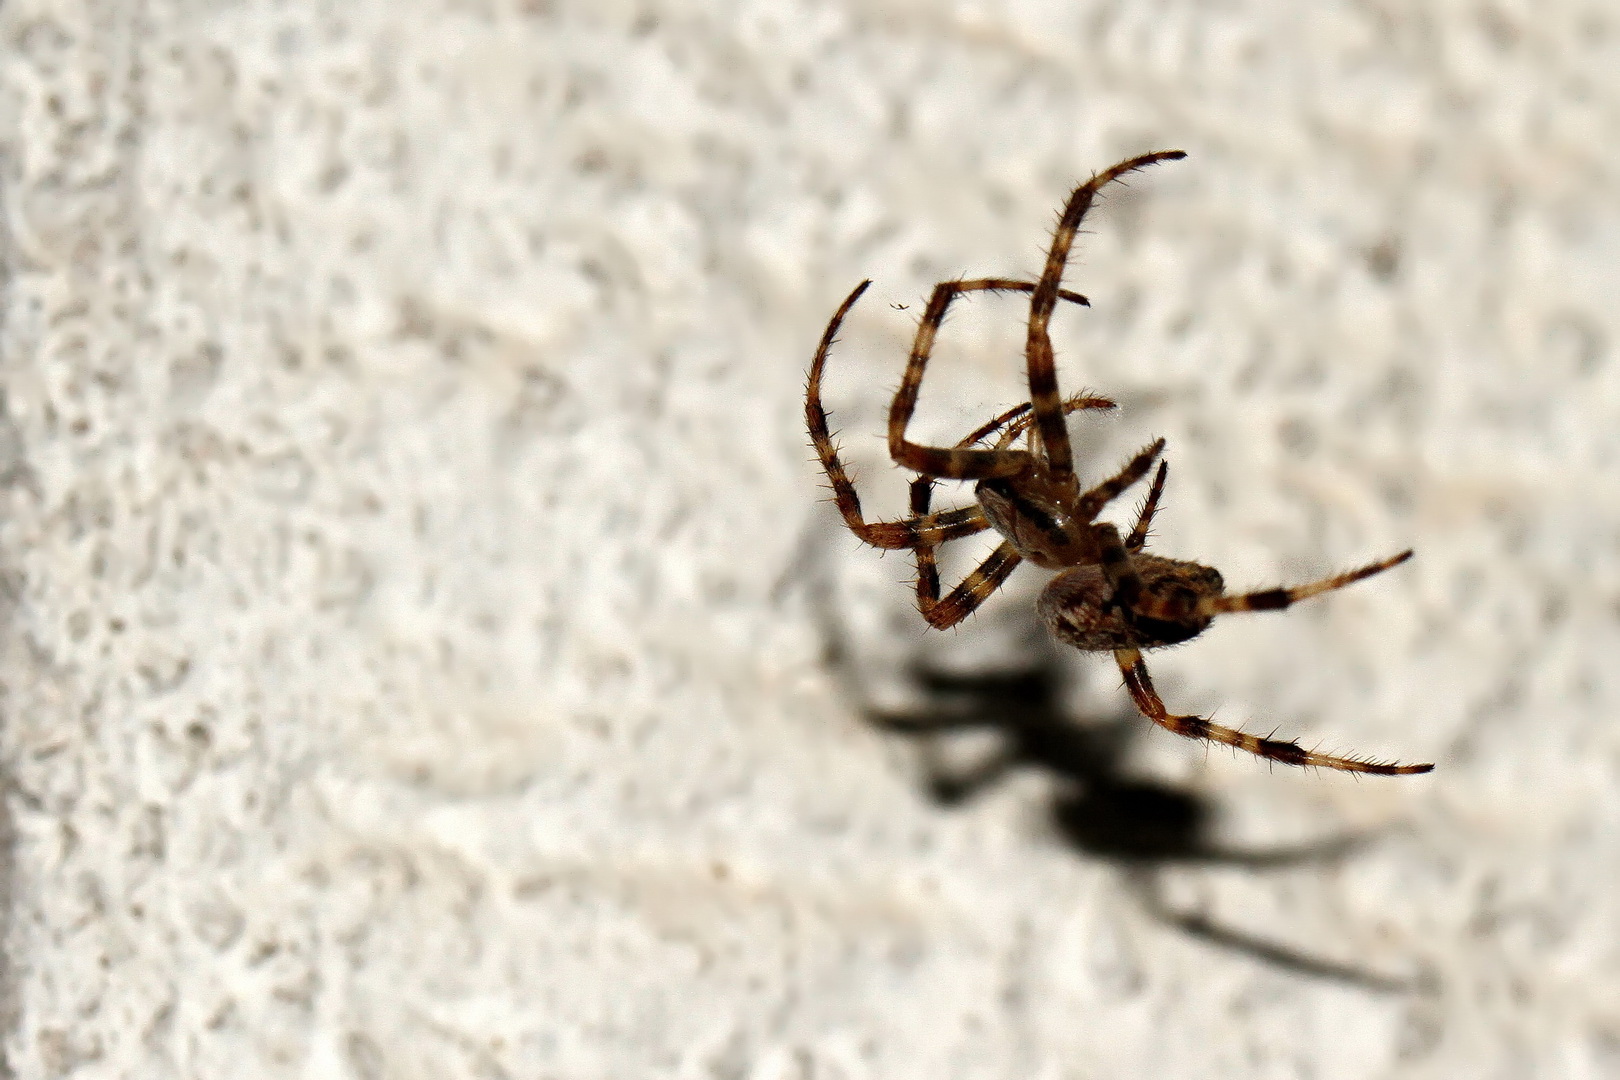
[[1111, 596]]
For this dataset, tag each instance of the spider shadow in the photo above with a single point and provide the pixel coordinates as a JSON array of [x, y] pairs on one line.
[[1097, 808]]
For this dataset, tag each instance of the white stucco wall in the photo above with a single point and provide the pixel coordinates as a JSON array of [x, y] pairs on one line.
[[416, 598]]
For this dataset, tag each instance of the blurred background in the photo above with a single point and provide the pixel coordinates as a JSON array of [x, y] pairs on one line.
[[427, 650]]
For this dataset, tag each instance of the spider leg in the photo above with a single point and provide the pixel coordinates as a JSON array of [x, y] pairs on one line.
[[990, 427], [1091, 503], [958, 462], [1108, 551], [1043, 387], [1144, 516], [1020, 420], [891, 535], [1277, 599], [996, 284], [1196, 727], [974, 589]]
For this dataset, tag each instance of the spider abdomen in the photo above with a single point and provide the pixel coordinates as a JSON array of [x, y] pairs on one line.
[[1078, 605]]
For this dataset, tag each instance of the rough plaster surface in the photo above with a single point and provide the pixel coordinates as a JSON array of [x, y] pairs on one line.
[[416, 602]]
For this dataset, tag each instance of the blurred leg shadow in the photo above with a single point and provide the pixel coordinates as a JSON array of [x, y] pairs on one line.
[[1097, 808]]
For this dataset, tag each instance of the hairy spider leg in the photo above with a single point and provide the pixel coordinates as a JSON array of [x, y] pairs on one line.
[[1144, 517], [1019, 420], [1196, 727], [1278, 599], [973, 590], [1043, 386], [1089, 505], [891, 535], [958, 462]]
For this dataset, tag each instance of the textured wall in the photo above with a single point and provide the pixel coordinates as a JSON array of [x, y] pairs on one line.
[[424, 654]]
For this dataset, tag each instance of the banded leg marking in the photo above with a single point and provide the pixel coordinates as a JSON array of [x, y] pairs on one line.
[[1196, 727], [1043, 387], [1091, 503], [891, 535], [959, 462], [1144, 517], [1278, 599], [974, 589]]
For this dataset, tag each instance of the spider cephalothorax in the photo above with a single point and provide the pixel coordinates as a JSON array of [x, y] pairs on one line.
[[1111, 596]]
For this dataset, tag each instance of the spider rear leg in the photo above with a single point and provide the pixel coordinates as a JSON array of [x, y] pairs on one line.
[[1196, 727], [1277, 599], [973, 590], [958, 462]]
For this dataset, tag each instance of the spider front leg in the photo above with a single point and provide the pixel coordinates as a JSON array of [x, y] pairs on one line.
[[958, 462], [1196, 727], [1043, 387], [1091, 503], [890, 535]]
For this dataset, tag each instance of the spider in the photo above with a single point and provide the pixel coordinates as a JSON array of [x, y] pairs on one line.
[[1110, 595]]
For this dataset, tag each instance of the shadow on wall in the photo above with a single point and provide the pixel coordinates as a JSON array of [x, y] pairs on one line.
[[1142, 825]]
